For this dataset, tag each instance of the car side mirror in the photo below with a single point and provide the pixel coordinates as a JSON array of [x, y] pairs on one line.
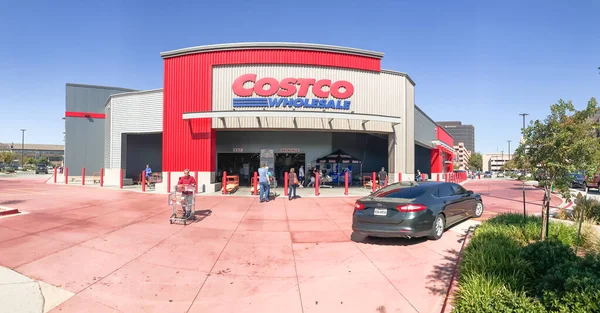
[[469, 192]]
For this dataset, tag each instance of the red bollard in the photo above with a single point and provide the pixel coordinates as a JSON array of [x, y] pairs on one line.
[[196, 178], [255, 181], [346, 184], [285, 184], [316, 183], [438, 177], [120, 178], [224, 183], [55, 169], [399, 177], [423, 177], [143, 181], [373, 182], [168, 182], [101, 177], [66, 175], [83, 176], [478, 176]]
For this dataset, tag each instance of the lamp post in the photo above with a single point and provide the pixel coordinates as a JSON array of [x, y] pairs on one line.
[[524, 171], [23, 148], [508, 149]]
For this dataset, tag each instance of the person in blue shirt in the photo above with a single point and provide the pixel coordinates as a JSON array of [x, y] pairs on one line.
[[148, 172], [263, 180]]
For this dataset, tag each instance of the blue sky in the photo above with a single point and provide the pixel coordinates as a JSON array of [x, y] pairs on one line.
[[480, 62]]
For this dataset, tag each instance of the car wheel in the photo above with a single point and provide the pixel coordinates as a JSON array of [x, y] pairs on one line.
[[478, 209], [439, 225]]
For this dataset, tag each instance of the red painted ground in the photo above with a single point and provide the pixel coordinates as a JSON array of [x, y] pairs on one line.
[[501, 196], [117, 251]]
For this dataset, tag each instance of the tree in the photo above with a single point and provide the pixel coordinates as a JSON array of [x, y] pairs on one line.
[[7, 157], [564, 142], [476, 161]]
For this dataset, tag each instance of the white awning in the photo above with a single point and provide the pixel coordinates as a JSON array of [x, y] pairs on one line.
[[445, 145], [294, 114]]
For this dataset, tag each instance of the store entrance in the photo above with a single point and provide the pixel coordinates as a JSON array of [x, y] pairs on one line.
[[285, 161], [242, 164]]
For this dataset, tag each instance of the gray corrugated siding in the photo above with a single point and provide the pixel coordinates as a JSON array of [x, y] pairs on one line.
[[135, 113], [107, 137], [84, 138], [374, 93], [425, 129]]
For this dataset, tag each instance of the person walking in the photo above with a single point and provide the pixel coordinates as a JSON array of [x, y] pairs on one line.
[[292, 183], [383, 176], [263, 180], [188, 196], [301, 176]]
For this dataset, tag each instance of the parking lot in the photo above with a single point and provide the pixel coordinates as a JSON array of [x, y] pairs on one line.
[[116, 250]]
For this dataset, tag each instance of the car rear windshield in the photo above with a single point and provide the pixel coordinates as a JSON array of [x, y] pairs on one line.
[[402, 192]]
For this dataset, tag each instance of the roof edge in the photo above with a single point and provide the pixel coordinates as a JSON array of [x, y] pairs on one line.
[[271, 46], [99, 87], [391, 72], [137, 92]]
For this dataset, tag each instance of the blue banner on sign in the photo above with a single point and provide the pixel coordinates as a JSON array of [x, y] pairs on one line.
[[291, 103]]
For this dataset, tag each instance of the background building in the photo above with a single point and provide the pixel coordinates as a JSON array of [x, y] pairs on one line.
[[462, 155], [231, 107], [461, 133], [494, 161], [53, 153]]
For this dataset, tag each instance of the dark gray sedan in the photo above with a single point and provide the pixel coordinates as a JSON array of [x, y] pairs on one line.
[[410, 209]]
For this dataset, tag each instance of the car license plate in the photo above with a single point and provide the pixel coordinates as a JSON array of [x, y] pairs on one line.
[[380, 212]]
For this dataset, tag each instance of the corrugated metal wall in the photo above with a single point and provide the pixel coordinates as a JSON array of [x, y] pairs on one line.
[[84, 137], [188, 88], [134, 113], [425, 128], [374, 93], [107, 136]]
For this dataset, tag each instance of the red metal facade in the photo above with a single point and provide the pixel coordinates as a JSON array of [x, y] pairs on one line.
[[188, 88], [444, 136]]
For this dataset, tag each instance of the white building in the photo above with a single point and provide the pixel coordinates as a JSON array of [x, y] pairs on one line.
[[462, 156], [494, 161]]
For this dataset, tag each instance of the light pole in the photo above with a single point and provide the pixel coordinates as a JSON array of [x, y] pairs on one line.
[[524, 171], [508, 149], [23, 148]]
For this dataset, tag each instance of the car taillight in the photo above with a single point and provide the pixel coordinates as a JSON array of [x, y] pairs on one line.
[[411, 208], [359, 206]]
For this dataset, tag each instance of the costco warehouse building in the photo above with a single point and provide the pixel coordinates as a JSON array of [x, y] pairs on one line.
[[232, 106]]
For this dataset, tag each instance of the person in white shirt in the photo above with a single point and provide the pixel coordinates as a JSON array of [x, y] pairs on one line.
[[301, 176]]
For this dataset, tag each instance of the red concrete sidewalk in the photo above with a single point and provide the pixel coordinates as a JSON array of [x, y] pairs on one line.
[[118, 253], [504, 195]]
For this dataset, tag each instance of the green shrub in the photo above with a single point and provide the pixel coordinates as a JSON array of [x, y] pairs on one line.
[[544, 255], [479, 293], [589, 206], [572, 286]]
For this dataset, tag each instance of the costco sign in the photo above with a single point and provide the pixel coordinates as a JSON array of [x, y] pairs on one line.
[[268, 92]]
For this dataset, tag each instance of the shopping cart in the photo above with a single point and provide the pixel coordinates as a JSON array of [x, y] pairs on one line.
[[183, 202]]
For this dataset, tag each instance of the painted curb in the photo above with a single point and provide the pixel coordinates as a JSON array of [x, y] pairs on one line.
[[453, 287]]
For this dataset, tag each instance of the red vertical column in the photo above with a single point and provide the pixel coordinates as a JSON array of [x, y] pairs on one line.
[[224, 183], [101, 177], [143, 181], [285, 184], [168, 182], [316, 183], [55, 174], [346, 183], [373, 182], [399, 177], [196, 178], [423, 177], [66, 175], [121, 178], [83, 176], [255, 181]]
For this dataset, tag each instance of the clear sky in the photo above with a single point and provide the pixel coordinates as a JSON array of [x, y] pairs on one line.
[[480, 62]]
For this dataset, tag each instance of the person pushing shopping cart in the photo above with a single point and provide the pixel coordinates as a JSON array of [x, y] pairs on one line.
[[187, 180]]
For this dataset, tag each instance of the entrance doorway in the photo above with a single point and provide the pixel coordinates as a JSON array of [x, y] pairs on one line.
[[285, 161], [242, 164]]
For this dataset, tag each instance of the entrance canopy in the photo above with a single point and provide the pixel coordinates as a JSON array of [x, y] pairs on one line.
[[339, 156], [294, 114]]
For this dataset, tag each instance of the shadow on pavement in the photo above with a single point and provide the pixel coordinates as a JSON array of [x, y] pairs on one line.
[[439, 279], [10, 202], [356, 237], [201, 215]]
